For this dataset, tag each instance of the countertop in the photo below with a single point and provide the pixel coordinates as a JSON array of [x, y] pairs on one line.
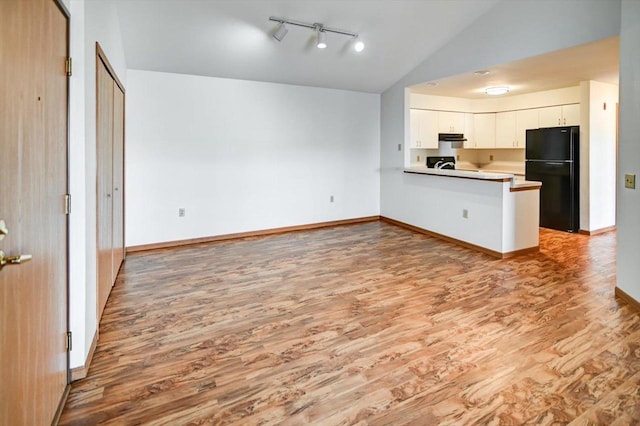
[[519, 185]]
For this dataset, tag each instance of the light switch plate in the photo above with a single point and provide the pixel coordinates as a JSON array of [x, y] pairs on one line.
[[630, 181]]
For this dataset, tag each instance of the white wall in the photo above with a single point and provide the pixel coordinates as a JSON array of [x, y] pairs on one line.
[[243, 156], [510, 31], [629, 151], [436, 204], [91, 21], [598, 135]]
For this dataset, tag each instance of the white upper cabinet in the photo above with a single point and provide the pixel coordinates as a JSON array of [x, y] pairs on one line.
[[423, 129], [511, 127], [564, 115], [506, 129], [571, 115], [468, 131], [525, 119], [450, 122], [484, 130]]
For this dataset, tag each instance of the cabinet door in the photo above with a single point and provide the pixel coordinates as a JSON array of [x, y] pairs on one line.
[[468, 131], [505, 129], [571, 115], [450, 122], [104, 146], [414, 125], [118, 179], [457, 122], [429, 129], [550, 116], [484, 130], [525, 119]]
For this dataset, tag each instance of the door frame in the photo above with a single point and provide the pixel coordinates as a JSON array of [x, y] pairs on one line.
[[63, 9]]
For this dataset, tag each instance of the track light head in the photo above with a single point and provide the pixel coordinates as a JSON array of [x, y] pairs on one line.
[[322, 37], [281, 31], [358, 45]]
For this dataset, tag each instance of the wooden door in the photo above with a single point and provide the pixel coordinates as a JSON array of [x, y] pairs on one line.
[[33, 184], [118, 178], [104, 194]]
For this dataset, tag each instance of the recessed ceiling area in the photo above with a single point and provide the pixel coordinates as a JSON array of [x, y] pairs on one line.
[[597, 61]]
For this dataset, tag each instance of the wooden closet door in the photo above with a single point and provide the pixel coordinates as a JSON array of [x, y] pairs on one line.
[[33, 177], [118, 179], [104, 185]]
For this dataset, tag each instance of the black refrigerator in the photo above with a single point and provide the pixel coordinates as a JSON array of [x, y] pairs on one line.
[[552, 157]]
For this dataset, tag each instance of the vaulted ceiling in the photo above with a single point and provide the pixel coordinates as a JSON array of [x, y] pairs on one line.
[[232, 39]]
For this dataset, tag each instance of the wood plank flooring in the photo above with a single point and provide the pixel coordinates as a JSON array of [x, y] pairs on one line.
[[365, 324]]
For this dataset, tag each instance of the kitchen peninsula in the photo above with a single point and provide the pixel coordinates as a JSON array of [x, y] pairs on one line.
[[491, 212]]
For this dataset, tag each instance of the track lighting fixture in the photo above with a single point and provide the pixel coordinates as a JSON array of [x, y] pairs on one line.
[[281, 31], [321, 32]]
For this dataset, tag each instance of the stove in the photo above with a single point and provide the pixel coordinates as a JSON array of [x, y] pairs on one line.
[[441, 162]]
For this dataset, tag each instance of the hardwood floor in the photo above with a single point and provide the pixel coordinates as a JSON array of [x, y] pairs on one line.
[[365, 324]]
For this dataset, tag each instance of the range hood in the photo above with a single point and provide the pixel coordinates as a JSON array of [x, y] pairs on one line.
[[456, 139], [451, 137]]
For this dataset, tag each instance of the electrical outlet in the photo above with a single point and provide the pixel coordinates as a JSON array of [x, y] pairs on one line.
[[491, 158], [418, 158], [465, 213], [181, 212], [457, 158], [630, 181], [331, 199]]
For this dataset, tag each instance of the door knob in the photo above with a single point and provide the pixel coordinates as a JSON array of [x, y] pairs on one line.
[[13, 260], [3, 229]]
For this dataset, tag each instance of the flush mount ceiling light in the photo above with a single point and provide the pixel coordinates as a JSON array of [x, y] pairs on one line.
[[481, 72], [497, 90], [320, 29]]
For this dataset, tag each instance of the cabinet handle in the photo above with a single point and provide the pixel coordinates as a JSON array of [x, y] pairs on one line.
[[558, 121], [565, 121]]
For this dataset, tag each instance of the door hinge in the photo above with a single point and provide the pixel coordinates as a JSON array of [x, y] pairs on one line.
[[69, 341], [67, 203], [68, 66]]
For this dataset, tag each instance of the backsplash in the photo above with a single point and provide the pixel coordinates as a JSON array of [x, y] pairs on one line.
[[496, 160]]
